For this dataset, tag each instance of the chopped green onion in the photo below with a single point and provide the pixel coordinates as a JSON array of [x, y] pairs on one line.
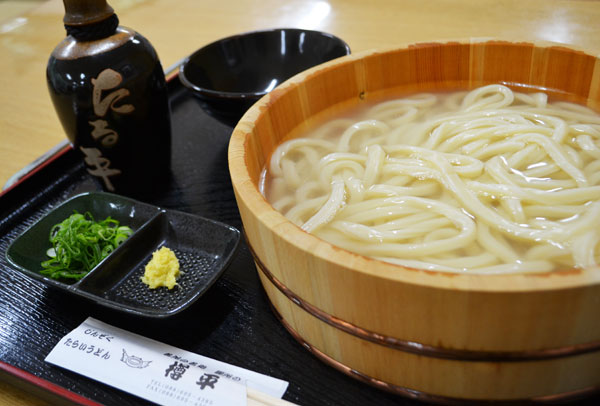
[[79, 243]]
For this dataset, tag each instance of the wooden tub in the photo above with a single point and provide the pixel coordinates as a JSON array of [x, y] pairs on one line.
[[439, 337]]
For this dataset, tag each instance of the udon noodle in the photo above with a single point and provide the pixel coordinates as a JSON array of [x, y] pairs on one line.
[[486, 181]]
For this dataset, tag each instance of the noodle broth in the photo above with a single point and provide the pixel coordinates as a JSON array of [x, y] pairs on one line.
[[486, 181]]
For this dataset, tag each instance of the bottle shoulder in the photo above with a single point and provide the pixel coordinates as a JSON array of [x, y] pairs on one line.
[[70, 48]]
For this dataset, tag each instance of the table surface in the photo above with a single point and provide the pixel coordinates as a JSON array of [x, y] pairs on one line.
[[30, 29]]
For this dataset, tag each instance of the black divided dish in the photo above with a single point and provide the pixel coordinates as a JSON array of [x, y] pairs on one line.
[[203, 247], [232, 322]]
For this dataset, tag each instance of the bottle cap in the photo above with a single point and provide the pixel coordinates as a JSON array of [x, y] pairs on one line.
[[83, 12]]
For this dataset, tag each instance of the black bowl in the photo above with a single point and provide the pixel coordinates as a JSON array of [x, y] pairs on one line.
[[230, 75]]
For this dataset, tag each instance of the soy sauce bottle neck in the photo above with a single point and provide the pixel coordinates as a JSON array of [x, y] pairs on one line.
[[89, 20]]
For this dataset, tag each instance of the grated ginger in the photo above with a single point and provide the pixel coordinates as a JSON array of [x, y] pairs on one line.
[[162, 270]]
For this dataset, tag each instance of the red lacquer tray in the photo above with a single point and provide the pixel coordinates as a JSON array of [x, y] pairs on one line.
[[232, 322]]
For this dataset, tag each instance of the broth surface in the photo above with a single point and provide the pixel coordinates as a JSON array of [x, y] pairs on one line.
[[485, 181]]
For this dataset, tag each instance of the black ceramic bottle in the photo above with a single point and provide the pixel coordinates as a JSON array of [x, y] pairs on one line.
[[108, 88]]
